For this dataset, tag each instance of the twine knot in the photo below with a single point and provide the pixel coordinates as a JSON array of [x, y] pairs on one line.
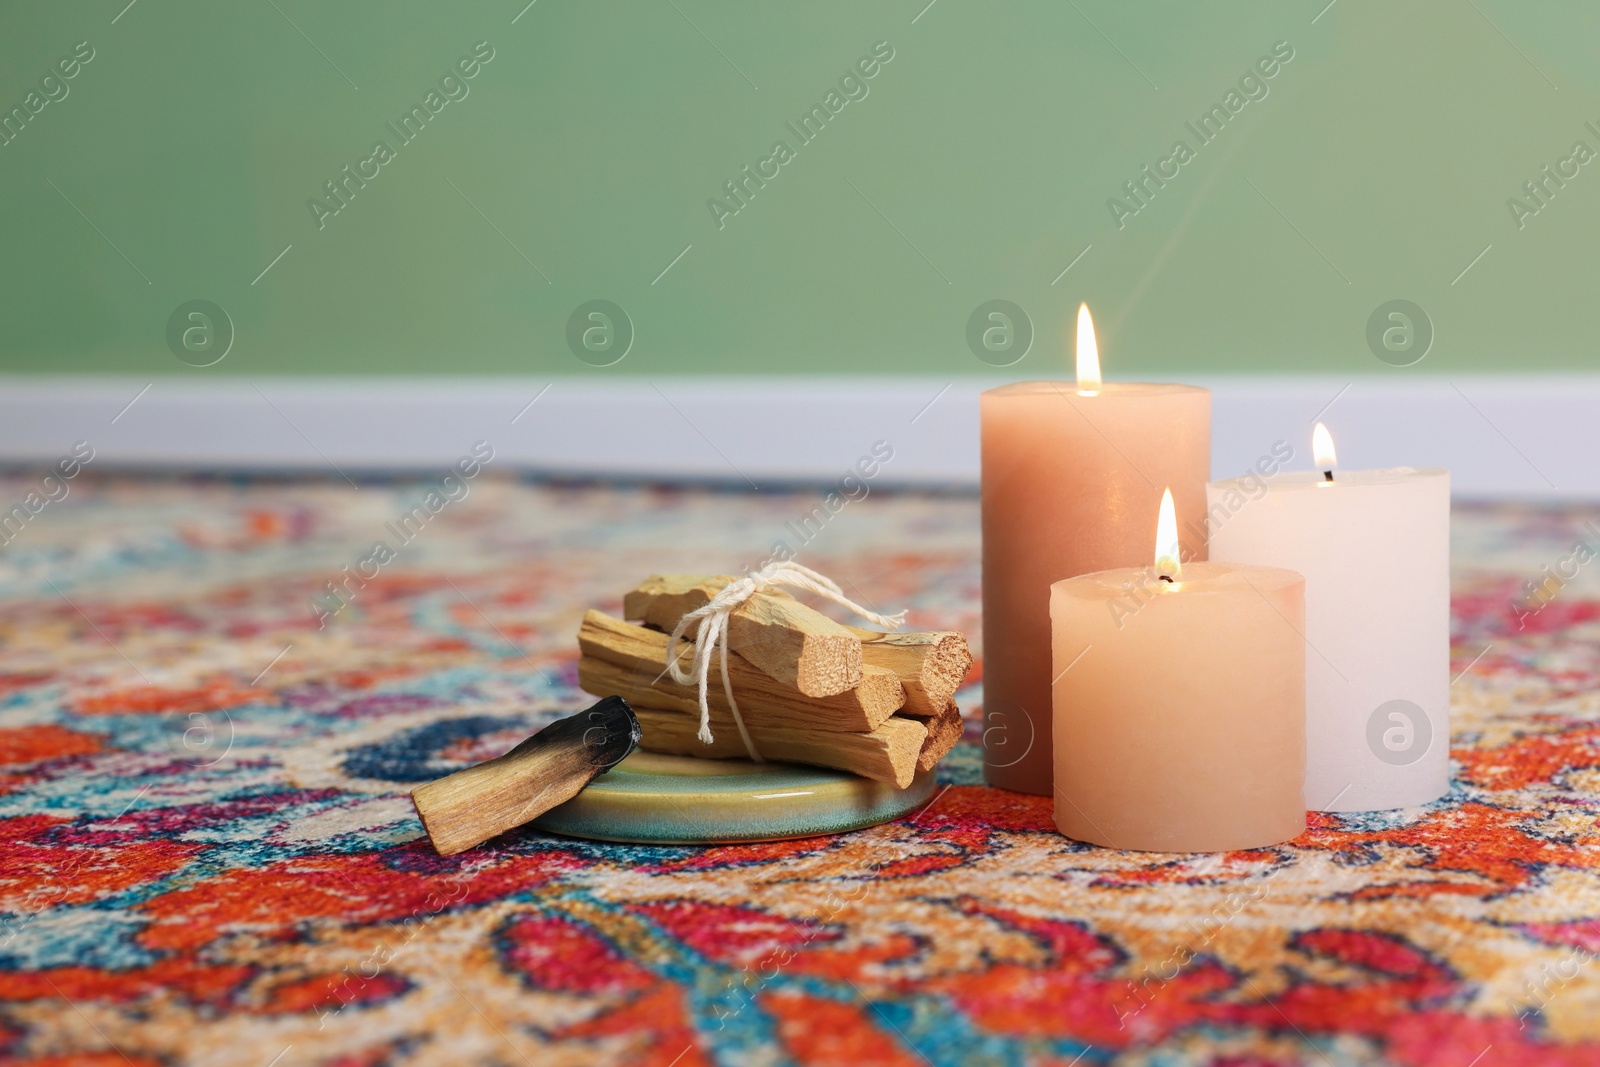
[[713, 619]]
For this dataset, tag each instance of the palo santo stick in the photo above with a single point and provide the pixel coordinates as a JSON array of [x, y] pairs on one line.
[[944, 730], [551, 767], [887, 754], [642, 654], [930, 665], [792, 643], [662, 599]]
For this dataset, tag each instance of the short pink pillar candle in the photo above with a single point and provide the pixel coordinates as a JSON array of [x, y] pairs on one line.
[[1180, 707]]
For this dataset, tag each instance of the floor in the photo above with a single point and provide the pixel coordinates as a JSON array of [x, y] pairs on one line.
[[209, 719]]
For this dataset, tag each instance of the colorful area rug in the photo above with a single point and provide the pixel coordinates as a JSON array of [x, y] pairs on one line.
[[207, 855]]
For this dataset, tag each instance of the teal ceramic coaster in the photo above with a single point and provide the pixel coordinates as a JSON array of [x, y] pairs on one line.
[[651, 798]]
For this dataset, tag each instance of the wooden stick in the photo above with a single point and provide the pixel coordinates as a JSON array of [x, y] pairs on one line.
[[941, 732], [887, 754], [930, 665], [662, 599], [944, 730], [551, 767], [641, 655], [790, 642]]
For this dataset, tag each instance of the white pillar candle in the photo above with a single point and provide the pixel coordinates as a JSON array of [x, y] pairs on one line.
[[1374, 547]]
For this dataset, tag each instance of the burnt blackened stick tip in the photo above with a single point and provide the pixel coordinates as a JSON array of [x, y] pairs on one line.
[[604, 734]]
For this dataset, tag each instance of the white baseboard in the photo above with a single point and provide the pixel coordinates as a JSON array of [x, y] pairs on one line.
[[1500, 436]]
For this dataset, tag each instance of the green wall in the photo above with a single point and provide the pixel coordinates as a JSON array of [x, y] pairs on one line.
[[979, 164]]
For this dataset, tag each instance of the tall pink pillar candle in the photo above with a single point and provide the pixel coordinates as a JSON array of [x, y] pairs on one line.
[[1071, 484], [1180, 709]]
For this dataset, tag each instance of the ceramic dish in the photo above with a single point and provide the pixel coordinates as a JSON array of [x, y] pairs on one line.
[[658, 799]]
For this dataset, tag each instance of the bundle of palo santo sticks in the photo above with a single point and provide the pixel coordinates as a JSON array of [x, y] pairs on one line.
[[810, 690]]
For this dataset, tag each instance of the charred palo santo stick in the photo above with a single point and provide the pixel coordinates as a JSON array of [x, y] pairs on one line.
[[790, 642], [930, 665], [551, 767], [887, 754], [944, 730], [642, 655]]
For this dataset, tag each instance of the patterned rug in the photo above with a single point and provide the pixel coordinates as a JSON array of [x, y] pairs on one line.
[[209, 858]]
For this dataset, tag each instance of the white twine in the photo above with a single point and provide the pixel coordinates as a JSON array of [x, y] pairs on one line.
[[713, 619]]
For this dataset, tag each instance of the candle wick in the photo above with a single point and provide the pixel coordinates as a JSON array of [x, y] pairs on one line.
[[1166, 578], [1327, 476]]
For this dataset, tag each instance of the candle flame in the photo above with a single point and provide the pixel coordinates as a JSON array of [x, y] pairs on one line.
[[1088, 355], [1167, 565], [1322, 448]]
